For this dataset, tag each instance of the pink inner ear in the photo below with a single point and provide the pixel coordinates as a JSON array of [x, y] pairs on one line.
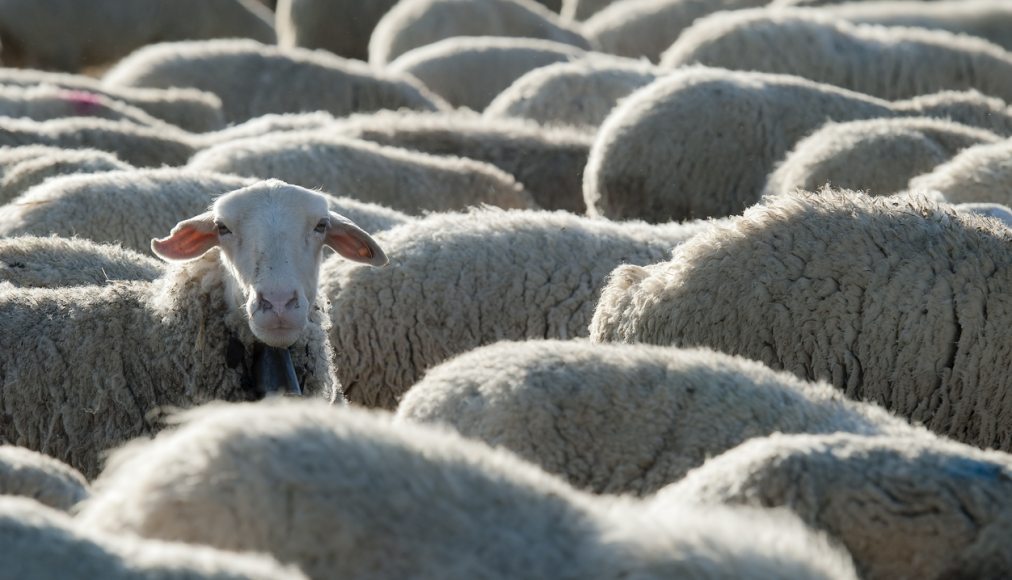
[[349, 246], [186, 243]]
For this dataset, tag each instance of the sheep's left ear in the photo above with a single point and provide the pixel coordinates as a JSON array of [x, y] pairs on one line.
[[352, 242], [190, 239]]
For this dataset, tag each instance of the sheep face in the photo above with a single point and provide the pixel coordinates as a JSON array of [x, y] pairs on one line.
[[271, 236]]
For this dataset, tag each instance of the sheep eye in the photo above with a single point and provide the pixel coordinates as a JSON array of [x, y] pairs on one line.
[[321, 227], [222, 229]]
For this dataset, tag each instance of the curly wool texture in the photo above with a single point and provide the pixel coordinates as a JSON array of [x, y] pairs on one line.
[[913, 508], [407, 181], [418, 502], [469, 71], [626, 419], [70, 35], [979, 174], [886, 62], [897, 300], [646, 28], [82, 369], [576, 94], [38, 542], [53, 262], [342, 27], [548, 162], [134, 144], [459, 281], [40, 477], [24, 167], [877, 156], [985, 19], [132, 207], [700, 142], [254, 79], [414, 23]]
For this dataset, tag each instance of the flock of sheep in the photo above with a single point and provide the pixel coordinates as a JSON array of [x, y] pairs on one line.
[[623, 289]]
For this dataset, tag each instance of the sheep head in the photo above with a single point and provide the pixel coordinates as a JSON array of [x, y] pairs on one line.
[[271, 236]]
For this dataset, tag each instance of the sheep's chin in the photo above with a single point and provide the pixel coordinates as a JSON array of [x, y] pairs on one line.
[[280, 338]]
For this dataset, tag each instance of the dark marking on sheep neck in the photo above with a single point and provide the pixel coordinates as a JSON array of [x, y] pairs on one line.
[[273, 372]]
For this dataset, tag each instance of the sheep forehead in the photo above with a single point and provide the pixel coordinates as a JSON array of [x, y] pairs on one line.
[[271, 208]]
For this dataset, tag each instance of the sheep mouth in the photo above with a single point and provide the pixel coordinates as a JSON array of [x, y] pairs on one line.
[[274, 373]]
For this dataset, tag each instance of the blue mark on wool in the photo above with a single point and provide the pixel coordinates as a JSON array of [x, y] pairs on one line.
[[966, 468]]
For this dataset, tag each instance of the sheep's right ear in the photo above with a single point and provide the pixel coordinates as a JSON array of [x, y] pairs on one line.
[[190, 239]]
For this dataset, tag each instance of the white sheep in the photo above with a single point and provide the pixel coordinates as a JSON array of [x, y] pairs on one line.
[[71, 35], [188, 109], [904, 508], [344, 494], [898, 300], [878, 156], [24, 167], [341, 26], [254, 79], [548, 162], [626, 418], [29, 474], [459, 281], [404, 180], [469, 71], [886, 62], [39, 542], [580, 10], [52, 262], [131, 207], [45, 102], [81, 368], [415, 23], [266, 125], [134, 144], [577, 94], [700, 142], [646, 28], [978, 174]]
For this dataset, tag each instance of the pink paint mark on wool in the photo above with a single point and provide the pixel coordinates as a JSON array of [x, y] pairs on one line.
[[83, 102]]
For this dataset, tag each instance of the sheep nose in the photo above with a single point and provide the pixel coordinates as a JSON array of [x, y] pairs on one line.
[[277, 301]]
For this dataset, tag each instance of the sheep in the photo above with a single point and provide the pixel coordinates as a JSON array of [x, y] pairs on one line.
[[268, 124], [997, 211], [130, 207], [39, 542], [978, 174], [52, 262], [24, 167], [581, 10], [548, 162], [40, 477], [700, 142], [45, 102], [905, 508], [406, 181], [415, 23], [133, 144], [878, 156], [343, 493], [886, 62], [981, 18], [470, 71], [70, 35], [646, 28], [887, 298], [242, 285], [459, 281], [664, 410], [188, 109], [577, 94], [342, 27], [253, 79]]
